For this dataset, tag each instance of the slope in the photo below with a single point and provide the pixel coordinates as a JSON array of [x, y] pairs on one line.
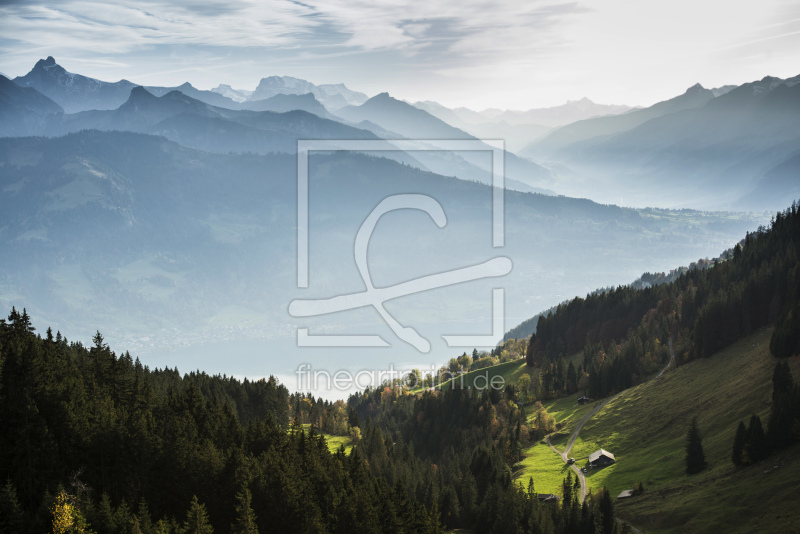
[[708, 156], [23, 109], [74, 92], [582, 130], [645, 428], [414, 123]]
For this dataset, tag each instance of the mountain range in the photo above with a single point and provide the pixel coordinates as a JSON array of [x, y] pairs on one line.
[[401, 119], [552, 117], [134, 233], [74, 92], [732, 147], [711, 149]]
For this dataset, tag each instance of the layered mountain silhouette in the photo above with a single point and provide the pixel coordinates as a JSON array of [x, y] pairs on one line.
[[285, 102], [137, 232], [74, 92], [572, 111], [332, 96], [410, 122], [199, 125], [706, 148], [23, 110], [581, 130], [724, 148]]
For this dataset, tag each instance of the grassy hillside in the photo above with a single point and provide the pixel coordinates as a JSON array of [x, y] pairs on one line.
[[544, 466], [646, 427], [539, 461], [509, 372]]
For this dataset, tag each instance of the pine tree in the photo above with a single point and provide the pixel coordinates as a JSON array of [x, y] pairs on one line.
[[695, 457], [11, 516], [757, 447], [739, 441], [782, 381], [604, 519], [245, 517], [197, 519]]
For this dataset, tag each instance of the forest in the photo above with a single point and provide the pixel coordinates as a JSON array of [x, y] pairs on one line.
[[93, 441], [625, 333]]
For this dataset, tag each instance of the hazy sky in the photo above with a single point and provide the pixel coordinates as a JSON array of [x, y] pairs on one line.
[[498, 53]]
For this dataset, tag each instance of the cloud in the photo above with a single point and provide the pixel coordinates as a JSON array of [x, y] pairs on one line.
[[124, 26], [459, 51]]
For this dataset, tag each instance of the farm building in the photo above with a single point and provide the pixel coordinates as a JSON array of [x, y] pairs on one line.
[[600, 458], [548, 497], [625, 494], [584, 400]]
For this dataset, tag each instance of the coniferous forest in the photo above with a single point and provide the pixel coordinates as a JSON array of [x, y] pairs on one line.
[[625, 333], [108, 445]]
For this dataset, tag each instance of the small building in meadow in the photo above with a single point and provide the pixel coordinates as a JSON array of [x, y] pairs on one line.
[[584, 400], [600, 458], [627, 494]]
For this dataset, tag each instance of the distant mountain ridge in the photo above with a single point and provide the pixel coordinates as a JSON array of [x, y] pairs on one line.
[[413, 123], [332, 96], [694, 97], [695, 150], [202, 126], [552, 117], [75, 92]]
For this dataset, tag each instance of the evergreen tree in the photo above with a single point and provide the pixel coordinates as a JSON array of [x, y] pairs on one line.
[[782, 381], [757, 447], [197, 519], [604, 517], [739, 441], [245, 517], [12, 518], [695, 457]]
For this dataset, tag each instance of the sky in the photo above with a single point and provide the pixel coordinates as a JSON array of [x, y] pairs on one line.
[[509, 54]]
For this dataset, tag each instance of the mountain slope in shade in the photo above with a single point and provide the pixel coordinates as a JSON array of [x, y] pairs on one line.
[[23, 109], [199, 125], [209, 97], [401, 117], [332, 96], [288, 102], [74, 92], [414, 123], [694, 97]]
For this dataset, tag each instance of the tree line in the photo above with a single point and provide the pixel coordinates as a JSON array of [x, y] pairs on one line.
[[624, 333], [93, 441]]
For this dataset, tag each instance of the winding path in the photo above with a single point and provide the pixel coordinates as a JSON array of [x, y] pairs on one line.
[[564, 455], [574, 437]]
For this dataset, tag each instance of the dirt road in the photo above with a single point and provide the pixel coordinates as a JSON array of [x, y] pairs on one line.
[[565, 455]]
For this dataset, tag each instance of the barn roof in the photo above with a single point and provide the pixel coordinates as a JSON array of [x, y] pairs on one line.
[[597, 454]]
